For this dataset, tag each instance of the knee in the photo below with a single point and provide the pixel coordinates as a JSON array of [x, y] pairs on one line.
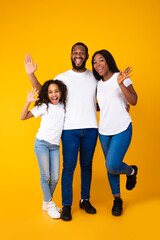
[[112, 168], [54, 181], [44, 177]]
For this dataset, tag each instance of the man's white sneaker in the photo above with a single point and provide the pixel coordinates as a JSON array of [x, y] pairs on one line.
[[45, 207], [52, 210]]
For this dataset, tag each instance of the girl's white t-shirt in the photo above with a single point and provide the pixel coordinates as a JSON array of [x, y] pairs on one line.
[[81, 99], [52, 122], [113, 115]]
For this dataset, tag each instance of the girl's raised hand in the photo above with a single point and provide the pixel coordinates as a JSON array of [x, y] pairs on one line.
[[124, 75], [29, 65], [31, 95]]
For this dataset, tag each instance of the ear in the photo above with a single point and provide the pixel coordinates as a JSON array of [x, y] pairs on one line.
[[87, 56]]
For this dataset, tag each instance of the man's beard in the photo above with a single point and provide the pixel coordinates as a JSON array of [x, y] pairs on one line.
[[78, 67]]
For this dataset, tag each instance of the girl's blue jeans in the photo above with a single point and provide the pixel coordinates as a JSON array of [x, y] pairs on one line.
[[48, 161], [114, 148]]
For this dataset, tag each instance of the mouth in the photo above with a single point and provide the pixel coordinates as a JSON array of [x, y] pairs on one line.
[[78, 61], [99, 70], [54, 99]]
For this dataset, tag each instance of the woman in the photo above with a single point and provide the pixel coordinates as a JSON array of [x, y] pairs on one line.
[[114, 90]]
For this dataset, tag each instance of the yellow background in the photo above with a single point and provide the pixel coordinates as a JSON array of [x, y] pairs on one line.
[[47, 30]]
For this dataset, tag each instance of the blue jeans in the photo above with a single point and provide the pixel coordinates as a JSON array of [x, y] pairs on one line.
[[114, 148], [48, 161], [72, 141]]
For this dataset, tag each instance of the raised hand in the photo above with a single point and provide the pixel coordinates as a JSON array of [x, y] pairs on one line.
[[31, 95], [29, 65], [124, 75]]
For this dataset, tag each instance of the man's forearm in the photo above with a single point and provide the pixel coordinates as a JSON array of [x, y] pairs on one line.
[[35, 83]]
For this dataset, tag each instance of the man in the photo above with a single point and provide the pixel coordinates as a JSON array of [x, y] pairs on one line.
[[80, 127]]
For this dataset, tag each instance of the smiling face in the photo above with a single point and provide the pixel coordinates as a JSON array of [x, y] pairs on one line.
[[101, 66], [54, 93], [79, 57]]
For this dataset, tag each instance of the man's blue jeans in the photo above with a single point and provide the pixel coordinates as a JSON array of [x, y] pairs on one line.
[[48, 161], [72, 141], [114, 149]]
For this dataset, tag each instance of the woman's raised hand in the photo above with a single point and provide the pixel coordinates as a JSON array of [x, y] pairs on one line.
[[29, 65], [124, 75], [31, 95]]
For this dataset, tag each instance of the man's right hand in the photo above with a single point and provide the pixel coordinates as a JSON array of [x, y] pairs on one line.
[[29, 65]]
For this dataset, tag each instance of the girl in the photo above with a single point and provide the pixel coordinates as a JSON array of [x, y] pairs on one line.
[[114, 90], [50, 106]]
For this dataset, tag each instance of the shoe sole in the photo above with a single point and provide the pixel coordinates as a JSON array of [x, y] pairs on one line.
[[66, 219], [116, 214], [136, 171]]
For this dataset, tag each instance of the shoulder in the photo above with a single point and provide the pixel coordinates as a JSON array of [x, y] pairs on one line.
[[63, 75]]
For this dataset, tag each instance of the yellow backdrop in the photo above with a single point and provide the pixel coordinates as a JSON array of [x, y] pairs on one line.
[[47, 30]]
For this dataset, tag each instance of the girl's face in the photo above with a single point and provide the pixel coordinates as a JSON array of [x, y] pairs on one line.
[[100, 65], [54, 93]]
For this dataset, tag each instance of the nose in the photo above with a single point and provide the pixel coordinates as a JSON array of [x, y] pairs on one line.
[[78, 55]]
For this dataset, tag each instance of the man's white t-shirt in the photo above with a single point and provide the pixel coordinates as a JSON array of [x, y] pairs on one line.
[[113, 115], [52, 122], [81, 99]]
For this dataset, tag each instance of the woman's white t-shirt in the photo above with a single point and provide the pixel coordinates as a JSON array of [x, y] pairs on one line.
[[113, 115], [52, 121]]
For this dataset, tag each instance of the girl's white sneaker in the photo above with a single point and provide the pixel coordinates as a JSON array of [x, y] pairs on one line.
[[45, 206], [52, 210]]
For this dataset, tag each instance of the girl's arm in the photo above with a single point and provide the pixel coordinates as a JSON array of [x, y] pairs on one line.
[[30, 98], [129, 91], [30, 69]]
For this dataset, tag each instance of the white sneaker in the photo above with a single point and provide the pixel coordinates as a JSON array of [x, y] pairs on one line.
[[52, 210], [45, 207]]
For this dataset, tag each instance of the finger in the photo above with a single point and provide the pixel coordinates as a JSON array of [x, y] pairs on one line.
[[27, 58], [36, 99], [35, 93], [127, 69], [129, 76], [34, 90]]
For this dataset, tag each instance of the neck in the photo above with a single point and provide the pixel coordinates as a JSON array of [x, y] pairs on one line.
[[108, 76], [80, 70]]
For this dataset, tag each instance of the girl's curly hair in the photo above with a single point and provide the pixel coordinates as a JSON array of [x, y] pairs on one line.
[[43, 95]]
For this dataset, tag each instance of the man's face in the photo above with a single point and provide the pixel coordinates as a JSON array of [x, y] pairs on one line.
[[79, 57]]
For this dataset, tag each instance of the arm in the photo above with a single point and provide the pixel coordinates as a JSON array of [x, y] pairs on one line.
[[30, 69], [30, 98], [129, 91]]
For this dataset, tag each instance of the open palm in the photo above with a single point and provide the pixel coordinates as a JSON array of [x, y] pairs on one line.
[[124, 75], [29, 65], [31, 96]]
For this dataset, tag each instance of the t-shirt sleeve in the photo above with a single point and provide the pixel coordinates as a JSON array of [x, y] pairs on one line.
[[127, 82], [39, 110]]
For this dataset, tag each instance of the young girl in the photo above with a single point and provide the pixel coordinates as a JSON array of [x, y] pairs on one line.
[[114, 90], [50, 106]]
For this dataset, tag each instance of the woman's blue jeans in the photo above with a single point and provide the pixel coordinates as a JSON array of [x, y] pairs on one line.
[[114, 148], [48, 161], [83, 140]]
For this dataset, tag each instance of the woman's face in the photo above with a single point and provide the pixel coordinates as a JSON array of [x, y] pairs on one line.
[[100, 65], [54, 93]]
